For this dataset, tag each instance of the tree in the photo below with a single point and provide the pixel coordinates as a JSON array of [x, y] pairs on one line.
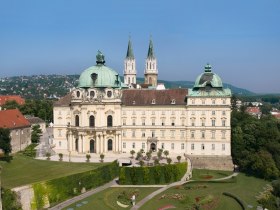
[[132, 152], [179, 158], [102, 157], [159, 154], [88, 157], [11, 105], [5, 141], [169, 160], [141, 162], [35, 134], [166, 153], [60, 156]]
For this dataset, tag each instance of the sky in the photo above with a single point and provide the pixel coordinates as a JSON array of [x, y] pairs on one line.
[[240, 39]]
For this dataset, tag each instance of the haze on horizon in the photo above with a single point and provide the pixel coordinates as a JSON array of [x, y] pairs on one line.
[[240, 39]]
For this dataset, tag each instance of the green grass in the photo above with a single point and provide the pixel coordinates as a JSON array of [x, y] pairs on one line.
[[24, 170], [246, 188], [107, 199], [203, 174]]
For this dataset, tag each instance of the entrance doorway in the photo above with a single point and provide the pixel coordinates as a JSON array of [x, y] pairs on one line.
[[92, 146], [153, 147], [110, 145]]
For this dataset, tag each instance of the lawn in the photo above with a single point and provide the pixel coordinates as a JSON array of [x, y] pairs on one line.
[[203, 174], [24, 170], [107, 199], [246, 188]]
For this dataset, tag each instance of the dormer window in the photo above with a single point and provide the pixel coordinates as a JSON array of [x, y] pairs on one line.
[[78, 94], [153, 101], [92, 94], [109, 94], [173, 101]]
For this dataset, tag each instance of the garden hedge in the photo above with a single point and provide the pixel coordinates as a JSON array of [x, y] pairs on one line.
[[57, 190], [152, 175]]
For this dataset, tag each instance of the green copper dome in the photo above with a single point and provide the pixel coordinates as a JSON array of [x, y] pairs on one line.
[[100, 76], [208, 78]]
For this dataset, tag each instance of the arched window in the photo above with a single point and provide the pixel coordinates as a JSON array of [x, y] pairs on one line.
[[77, 145], [91, 146], [78, 94], [77, 121], [91, 121], [109, 121], [110, 145]]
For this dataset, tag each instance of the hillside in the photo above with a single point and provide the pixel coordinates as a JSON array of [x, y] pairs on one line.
[[55, 86]]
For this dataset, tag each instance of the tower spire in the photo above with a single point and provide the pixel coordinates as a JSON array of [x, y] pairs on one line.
[[129, 65], [129, 54], [151, 50]]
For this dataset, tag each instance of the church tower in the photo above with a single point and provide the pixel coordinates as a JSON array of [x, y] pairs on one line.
[[151, 72], [129, 66]]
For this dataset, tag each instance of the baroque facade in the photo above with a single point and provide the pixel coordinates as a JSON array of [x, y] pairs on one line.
[[102, 115]]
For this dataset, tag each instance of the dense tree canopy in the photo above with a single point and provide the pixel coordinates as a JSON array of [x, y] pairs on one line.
[[5, 141], [256, 144], [38, 108]]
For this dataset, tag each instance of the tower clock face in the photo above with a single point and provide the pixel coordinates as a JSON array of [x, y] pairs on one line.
[[109, 94]]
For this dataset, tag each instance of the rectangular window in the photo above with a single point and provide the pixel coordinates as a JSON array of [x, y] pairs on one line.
[[143, 121], [59, 132], [223, 147], [182, 146], [213, 122], [213, 146], [202, 147], [213, 112], [143, 145], [172, 145], [172, 134], [202, 123], [223, 123], [153, 121], [124, 121], [192, 134], [224, 112], [202, 134], [124, 145], [193, 124], [133, 121], [223, 134], [213, 102], [192, 147], [224, 101], [133, 145], [213, 134], [182, 134], [153, 133], [162, 133], [124, 134], [143, 134], [133, 133], [182, 122]]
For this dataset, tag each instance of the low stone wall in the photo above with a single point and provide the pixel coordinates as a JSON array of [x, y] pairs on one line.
[[212, 162]]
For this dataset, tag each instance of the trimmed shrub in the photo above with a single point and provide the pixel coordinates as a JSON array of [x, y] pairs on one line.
[[9, 200], [152, 175]]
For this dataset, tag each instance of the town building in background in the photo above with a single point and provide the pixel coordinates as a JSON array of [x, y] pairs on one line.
[[20, 128]]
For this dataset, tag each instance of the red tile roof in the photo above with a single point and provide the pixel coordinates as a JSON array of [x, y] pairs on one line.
[[12, 118], [253, 110], [161, 97], [18, 99]]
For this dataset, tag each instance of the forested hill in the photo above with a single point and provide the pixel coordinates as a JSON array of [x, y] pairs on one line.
[[53, 86]]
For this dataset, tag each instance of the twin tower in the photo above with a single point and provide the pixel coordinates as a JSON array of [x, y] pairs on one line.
[[151, 72]]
